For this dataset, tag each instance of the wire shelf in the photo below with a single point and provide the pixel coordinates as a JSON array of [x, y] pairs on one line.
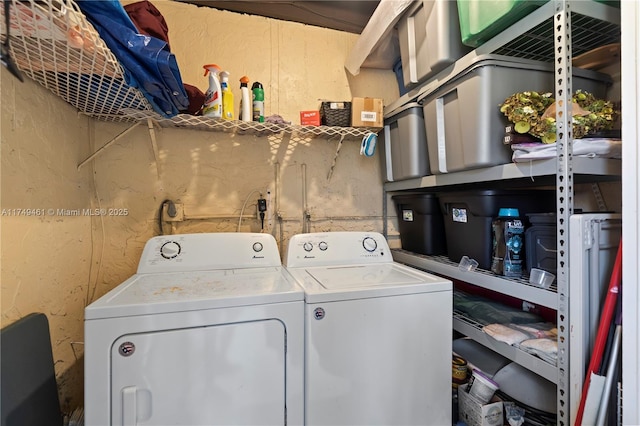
[[248, 127], [587, 33], [53, 43]]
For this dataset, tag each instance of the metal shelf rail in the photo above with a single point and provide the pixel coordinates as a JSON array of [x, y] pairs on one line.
[[555, 32]]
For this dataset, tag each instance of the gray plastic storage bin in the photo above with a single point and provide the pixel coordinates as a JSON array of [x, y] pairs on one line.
[[403, 144], [464, 125], [429, 36]]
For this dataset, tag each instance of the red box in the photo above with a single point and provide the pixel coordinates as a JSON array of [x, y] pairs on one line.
[[310, 118]]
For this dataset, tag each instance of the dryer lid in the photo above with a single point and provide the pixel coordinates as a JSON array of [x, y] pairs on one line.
[[188, 291], [333, 283]]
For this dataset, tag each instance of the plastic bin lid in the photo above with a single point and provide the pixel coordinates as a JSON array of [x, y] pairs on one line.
[[402, 108], [508, 212], [527, 387], [470, 63]]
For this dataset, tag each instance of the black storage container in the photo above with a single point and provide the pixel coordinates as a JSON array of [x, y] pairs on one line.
[[541, 242], [420, 223], [468, 216]]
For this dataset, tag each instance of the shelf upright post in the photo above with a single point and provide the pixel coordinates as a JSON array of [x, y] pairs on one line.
[[564, 197]]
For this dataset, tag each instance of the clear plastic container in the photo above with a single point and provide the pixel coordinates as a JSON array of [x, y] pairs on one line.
[[541, 278]]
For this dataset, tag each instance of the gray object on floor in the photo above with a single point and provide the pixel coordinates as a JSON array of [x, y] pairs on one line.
[[29, 393]]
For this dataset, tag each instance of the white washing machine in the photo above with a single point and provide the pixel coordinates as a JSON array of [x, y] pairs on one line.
[[209, 331], [377, 333]]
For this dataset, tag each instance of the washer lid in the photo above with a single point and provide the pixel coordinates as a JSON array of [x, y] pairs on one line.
[[333, 283], [188, 291]]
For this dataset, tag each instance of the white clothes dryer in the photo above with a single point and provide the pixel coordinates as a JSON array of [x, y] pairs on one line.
[[209, 331], [377, 333]]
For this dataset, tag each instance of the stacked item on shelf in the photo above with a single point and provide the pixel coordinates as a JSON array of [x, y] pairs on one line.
[[468, 216], [148, 63], [524, 330], [403, 144], [464, 125], [517, 385], [533, 118], [429, 37], [420, 223], [463, 122]]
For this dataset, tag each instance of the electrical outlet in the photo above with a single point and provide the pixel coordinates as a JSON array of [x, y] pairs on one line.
[[179, 217]]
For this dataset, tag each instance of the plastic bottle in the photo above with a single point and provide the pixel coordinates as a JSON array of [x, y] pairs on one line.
[[508, 243], [245, 99], [258, 102], [227, 97], [213, 97]]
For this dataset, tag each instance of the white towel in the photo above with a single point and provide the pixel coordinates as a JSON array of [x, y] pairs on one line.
[[590, 147]]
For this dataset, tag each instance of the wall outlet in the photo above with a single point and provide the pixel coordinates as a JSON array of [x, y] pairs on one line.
[[179, 217]]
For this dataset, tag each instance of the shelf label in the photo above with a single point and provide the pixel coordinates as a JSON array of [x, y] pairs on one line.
[[459, 215]]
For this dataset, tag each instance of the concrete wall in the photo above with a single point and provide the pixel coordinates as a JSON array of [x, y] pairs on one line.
[[59, 262], [48, 258]]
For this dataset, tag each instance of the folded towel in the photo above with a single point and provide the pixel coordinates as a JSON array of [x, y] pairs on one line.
[[590, 147]]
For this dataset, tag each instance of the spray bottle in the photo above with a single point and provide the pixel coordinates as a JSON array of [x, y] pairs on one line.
[[227, 96], [258, 102], [213, 97], [245, 99]]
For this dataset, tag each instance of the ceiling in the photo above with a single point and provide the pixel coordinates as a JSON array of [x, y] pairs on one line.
[[350, 16]]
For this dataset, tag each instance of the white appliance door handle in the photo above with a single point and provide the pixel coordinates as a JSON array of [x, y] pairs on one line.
[[129, 406]]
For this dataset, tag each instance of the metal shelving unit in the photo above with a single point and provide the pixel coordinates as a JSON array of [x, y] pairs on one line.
[[519, 288], [473, 329], [532, 172], [555, 32]]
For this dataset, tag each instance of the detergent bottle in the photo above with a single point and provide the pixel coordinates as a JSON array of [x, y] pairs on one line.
[[258, 101], [213, 97], [245, 99], [227, 97], [508, 256]]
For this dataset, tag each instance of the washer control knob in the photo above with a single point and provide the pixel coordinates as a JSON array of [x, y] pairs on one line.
[[369, 244], [170, 250], [257, 247], [323, 245], [307, 246]]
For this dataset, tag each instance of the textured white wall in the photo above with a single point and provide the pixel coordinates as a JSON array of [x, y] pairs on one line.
[[47, 258]]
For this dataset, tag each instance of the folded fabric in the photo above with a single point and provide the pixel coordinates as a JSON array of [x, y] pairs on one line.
[[504, 333], [148, 63], [589, 147], [486, 311], [546, 349], [537, 330]]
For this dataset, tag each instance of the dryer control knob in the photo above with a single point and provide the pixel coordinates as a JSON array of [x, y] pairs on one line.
[[307, 246], [369, 244], [322, 245], [257, 247], [170, 250]]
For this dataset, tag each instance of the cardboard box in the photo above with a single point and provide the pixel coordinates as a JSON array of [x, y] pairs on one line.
[[473, 413], [310, 118], [366, 112]]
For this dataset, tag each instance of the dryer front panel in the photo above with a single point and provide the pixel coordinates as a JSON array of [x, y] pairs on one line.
[[231, 374]]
